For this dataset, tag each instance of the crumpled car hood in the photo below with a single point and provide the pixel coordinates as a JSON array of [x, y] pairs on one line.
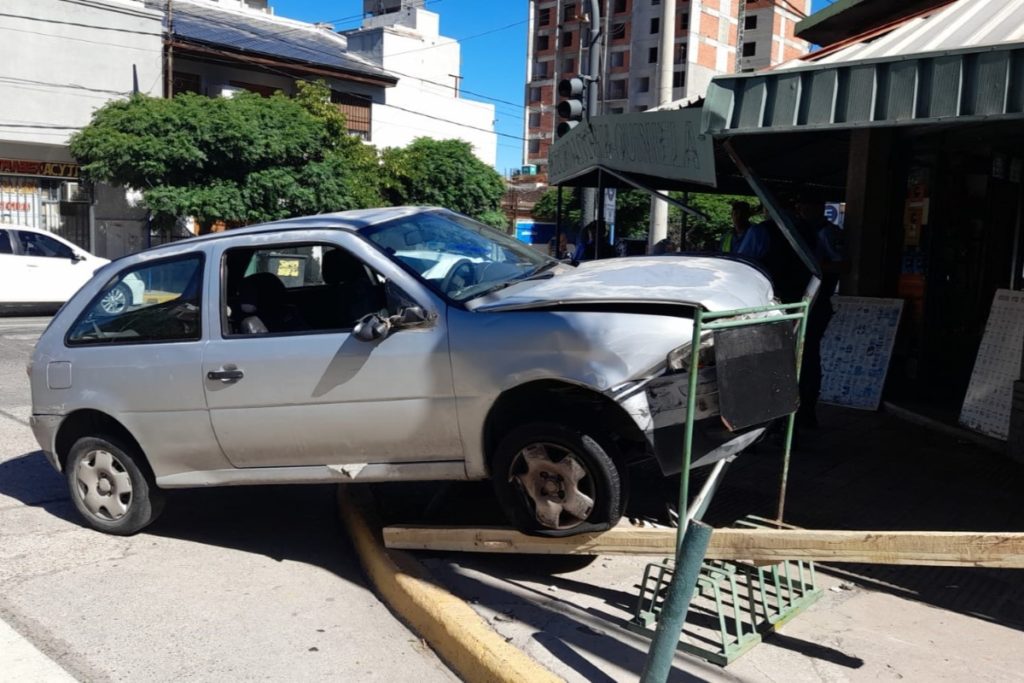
[[717, 284]]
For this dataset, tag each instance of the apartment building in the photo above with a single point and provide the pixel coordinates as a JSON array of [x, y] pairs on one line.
[[705, 45], [768, 33]]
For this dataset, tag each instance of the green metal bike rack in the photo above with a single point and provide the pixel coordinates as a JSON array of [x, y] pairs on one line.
[[743, 600]]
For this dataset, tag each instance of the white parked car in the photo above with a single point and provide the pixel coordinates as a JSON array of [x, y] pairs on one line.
[[39, 271]]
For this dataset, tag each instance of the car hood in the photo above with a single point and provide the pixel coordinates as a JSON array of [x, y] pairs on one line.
[[717, 284]]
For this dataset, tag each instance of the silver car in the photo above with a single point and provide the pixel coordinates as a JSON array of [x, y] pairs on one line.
[[382, 345]]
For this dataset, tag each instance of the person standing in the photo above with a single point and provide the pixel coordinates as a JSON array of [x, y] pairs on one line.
[[826, 239], [750, 240]]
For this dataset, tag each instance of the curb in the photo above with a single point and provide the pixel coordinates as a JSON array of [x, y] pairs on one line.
[[452, 628]]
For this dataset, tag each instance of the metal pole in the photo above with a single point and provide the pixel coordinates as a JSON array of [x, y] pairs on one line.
[[169, 85], [558, 220], [691, 414], [666, 71], [600, 215], [791, 421], [677, 603], [596, 46]]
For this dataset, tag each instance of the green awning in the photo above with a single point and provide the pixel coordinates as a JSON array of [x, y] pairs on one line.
[[961, 86]]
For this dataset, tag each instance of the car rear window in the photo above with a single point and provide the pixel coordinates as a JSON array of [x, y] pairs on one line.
[[154, 302], [5, 243]]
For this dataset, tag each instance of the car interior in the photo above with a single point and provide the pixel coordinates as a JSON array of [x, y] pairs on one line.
[[299, 288]]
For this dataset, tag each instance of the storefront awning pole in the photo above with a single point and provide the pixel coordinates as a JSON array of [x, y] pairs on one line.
[[655, 193], [775, 210]]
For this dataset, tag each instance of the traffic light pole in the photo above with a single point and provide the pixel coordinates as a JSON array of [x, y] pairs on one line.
[[589, 198]]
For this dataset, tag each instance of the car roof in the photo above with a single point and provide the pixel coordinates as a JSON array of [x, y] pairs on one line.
[[352, 221]]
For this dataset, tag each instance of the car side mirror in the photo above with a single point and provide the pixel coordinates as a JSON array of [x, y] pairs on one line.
[[371, 328], [76, 257], [412, 315]]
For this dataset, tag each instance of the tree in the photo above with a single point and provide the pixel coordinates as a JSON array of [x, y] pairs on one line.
[[705, 235], [443, 173], [243, 159]]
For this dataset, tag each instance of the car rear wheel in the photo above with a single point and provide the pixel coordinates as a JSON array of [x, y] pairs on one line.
[[554, 480], [111, 486], [116, 300]]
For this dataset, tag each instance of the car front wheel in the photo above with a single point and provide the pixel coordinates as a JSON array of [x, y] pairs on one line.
[[554, 480], [111, 487]]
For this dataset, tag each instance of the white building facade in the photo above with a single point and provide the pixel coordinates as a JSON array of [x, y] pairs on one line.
[[60, 60], [405, 40]]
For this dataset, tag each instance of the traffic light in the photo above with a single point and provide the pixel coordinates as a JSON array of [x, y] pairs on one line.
[[571, 108]]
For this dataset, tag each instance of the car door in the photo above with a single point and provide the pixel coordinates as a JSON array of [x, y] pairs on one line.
[[289, 387], [13, 288], [52, 271]]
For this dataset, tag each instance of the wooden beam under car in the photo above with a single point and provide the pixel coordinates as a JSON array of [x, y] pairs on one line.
[[936, 548]]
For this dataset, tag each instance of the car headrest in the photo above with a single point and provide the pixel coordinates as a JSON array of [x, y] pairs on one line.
[[340, 266], [261, 291]]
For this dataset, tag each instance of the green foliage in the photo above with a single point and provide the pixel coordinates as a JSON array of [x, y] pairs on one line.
[[704, 235], [442, 173], [243, 159]]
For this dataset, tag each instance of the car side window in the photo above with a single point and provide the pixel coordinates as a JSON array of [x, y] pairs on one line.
[[296, 289], [155, 302], [5, 243], [34, 244]]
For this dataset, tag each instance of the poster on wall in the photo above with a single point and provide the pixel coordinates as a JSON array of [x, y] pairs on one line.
[[856, 350], [989, 396], [19, 201]]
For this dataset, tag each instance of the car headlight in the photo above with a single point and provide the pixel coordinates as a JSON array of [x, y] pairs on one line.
[[678, 360]]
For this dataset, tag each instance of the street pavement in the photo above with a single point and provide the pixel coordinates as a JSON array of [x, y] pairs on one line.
[[254, 583]]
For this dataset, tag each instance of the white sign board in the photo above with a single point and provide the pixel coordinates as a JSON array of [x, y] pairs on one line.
[[856, 350], [990, 394]]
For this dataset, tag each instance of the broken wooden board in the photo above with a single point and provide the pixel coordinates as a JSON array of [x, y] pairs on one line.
[[935, 548]]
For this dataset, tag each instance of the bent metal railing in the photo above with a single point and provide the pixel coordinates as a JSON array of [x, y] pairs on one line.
[[693, 537]]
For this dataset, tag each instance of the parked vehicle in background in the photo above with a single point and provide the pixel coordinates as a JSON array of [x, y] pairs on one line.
[[39, 271], [384, 345]]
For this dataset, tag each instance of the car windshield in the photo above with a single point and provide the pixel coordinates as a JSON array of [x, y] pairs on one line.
[[456, 255]]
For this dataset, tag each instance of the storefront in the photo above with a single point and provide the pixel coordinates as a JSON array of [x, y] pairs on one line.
[[46, 195]]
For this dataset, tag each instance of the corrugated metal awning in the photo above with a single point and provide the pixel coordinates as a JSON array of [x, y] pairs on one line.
[[964, 61]]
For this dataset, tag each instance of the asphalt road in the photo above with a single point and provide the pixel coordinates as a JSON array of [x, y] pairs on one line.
[[252, 583]]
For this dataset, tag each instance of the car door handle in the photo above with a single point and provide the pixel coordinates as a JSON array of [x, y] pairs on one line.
[[225, 375]]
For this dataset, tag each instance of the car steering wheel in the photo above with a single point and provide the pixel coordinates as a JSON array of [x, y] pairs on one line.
[[449, 279]]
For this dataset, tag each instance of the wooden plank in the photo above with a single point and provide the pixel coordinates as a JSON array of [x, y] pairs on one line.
[[936, 548]]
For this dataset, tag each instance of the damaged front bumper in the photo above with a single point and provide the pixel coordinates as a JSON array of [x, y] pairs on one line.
[[658, 406]]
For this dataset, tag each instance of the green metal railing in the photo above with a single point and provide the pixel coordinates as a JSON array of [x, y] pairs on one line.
[[692, 539]]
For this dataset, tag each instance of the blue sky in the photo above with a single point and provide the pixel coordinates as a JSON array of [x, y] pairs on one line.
[[493, 64]]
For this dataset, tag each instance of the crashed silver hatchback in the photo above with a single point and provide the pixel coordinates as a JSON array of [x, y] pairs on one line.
[[381, 345]]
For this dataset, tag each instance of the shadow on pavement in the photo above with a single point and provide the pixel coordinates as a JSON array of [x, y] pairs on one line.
[[814, 650], [297, 523], [872, 471], [30, 479]]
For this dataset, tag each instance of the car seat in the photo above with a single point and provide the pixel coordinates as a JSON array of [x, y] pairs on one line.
[[350, 292], [265, 309]]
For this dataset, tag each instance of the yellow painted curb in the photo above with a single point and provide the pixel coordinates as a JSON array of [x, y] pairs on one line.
[[457, 634]]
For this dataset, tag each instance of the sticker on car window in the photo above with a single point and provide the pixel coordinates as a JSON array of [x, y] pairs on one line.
[[288, 268]]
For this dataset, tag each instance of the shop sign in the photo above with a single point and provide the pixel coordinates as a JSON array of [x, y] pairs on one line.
[[665, 144], [42, 169]]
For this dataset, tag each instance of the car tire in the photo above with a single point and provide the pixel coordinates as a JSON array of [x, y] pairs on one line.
[[540, 471], [116, 300], [111, 486]]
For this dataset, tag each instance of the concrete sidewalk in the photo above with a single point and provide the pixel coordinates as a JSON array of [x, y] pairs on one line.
[[24, 663], [859, 471]]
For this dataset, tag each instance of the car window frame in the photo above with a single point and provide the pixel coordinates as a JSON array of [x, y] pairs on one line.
[[119, 276], [42, 236], [290, 244]]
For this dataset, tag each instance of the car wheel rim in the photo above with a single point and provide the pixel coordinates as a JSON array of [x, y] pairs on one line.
[[556, 482], [114, 302], [103, 485]]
